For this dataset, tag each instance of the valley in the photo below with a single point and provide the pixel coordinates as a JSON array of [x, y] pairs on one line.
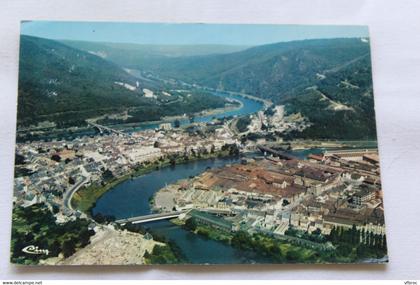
[[250, 153]]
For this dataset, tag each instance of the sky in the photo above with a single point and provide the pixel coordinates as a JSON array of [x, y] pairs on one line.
[[186, 34]]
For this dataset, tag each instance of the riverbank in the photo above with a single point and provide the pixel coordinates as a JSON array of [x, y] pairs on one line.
[[286, 249], [207, 112], [275, 250], [171, 119], [266, 103], [85, 199], [247, 106], [332, 144], [301, 247]]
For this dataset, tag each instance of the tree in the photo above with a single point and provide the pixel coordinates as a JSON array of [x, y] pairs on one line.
[[333, 235], [243, 123], [55, 209], [99, 218], [68, 248], [384, 242], [29, 237], [316, 232], [71, 180], [344, 249], [109, 218], [85, 236], [354, 235], [233, 149], [107, 175], [371, 239], [213, 149], [56, 157], [292, 255], [172, 159], [191, 224], [241, 240], [363, 233], [275, 251], [55, 248], [378, 241]]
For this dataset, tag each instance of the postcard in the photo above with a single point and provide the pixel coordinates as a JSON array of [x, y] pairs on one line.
[[157, 143]]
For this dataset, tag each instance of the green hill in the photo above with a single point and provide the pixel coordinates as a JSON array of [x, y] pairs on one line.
[[327, 80], [64, 85], [268, 71], [132, 55], [339, 103]]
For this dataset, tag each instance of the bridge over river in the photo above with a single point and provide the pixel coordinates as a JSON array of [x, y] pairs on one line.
[[167, 216], [102, 128], [277, 153], [151, 218]]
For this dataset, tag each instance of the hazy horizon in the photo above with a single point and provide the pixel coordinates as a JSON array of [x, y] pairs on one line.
[[245, 35]]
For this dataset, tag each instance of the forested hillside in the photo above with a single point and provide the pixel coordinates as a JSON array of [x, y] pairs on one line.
[[339, 104], [64, 85], [268, 71], [134, 55], [327, 80]]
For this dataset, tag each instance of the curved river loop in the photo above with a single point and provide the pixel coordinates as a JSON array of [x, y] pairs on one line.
[[249, 105], [131, 198]]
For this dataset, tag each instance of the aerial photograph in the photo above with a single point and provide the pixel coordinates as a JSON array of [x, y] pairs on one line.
[[163, 143]]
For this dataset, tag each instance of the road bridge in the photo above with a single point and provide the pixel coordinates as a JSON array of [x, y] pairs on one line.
[[169, 215], [151, 217], [281, 154], [101, 129]]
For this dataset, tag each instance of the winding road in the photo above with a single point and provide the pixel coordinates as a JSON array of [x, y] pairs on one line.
[[68, 195]]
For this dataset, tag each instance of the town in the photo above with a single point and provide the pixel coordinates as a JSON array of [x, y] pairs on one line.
[[270, 191], [195, 154], [338, 189], [52, 171]]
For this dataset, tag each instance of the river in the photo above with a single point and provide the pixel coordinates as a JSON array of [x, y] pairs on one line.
[[131, 198], [249, 106]]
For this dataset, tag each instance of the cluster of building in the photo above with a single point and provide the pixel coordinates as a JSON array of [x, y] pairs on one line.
[[277, 121], [53, 168], [272, 195], [47, 171], [269, 194]]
